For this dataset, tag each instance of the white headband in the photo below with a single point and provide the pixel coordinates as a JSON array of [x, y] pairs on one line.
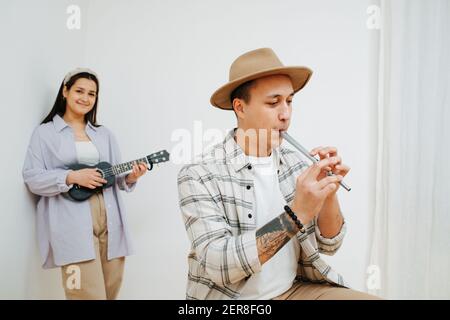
[[77, 71]]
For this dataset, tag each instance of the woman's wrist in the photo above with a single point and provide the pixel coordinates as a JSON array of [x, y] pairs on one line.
[[70, 178], [129, 180]]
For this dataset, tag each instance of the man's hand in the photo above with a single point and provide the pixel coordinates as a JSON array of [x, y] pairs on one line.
[[330, 219], [309, 197], [311, 192], [338, 168]]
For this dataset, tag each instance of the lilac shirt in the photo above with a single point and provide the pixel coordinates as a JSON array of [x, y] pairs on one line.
[[64, 227]]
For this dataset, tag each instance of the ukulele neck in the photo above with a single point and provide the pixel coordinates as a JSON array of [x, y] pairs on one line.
[[127, 166]]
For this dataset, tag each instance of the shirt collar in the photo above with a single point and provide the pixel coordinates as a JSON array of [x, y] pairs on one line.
[[60, 124], [237, 157]]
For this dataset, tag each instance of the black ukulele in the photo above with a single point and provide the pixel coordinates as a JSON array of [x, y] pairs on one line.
[[109, 172]]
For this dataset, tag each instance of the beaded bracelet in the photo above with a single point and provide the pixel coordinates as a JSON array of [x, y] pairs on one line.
[[293, 216]]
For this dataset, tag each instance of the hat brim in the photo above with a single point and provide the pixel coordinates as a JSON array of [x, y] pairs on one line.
[[299, 77]]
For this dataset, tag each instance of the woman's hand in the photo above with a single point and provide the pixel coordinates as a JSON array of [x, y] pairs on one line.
[[138, 171], [89, 178]]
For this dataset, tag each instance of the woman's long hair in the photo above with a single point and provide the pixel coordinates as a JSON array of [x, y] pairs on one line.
[[59, 107]]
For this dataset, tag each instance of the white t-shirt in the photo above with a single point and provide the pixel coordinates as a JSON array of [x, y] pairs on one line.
[[278, 273], [87, 153]]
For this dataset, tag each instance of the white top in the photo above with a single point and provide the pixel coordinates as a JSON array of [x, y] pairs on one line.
[[278, 273], [87, 153]]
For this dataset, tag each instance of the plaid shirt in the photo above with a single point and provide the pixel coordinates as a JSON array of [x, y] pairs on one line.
[[217, 209]]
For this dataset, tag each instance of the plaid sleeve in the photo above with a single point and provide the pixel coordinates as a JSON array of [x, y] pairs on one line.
[[227, 258], [329, 246]]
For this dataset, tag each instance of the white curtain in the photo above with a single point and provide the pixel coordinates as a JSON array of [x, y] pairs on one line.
[[411, 220]]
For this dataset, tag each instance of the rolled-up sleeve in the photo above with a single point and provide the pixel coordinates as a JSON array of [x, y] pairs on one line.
[[329, 246], [226, 258], [39, 180], [123, 185]]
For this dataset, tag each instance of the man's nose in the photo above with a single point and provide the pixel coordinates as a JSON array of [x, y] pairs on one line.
[[285, 112]]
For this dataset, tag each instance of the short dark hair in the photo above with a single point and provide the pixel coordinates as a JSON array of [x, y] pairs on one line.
[[242, 92]]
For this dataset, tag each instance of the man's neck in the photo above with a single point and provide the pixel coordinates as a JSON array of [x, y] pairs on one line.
[[251, 144]]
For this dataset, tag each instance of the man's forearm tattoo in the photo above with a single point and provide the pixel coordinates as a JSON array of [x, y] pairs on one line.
[[271, 237]]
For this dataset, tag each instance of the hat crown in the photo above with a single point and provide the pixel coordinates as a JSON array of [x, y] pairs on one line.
[[253, 62]]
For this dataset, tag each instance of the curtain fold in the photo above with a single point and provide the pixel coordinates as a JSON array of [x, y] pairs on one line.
[[411, 218]]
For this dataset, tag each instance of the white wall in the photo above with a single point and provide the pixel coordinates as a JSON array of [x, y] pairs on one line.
[[159, 61], [37, 49]]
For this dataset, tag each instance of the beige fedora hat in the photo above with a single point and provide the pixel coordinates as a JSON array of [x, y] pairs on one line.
[[253, 65]]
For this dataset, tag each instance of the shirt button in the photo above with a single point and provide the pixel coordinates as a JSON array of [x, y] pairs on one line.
[[250, 215], [249, 167], [248, 187]]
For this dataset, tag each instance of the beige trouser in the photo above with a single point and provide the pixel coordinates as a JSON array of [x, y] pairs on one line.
[[97, 279], [310, 291]]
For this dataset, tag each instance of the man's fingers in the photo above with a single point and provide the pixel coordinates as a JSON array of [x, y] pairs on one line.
[[317, 167], [324, 152], [326, 181], [338, 162], [343, 168], [338, 159], [315, 151], [331, 151], [325, 192]]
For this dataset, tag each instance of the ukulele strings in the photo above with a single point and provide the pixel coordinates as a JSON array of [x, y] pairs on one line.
[[110, 172]]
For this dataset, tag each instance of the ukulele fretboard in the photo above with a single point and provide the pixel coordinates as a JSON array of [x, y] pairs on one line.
[[127, 166]]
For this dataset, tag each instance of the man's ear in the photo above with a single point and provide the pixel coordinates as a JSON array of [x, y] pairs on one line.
[[238, 107]]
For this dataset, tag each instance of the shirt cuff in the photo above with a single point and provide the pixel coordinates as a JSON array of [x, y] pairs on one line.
[[127, 187], [337, 239], [61, 181]]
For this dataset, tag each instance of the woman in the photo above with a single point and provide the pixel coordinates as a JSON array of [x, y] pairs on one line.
[[90, 239]]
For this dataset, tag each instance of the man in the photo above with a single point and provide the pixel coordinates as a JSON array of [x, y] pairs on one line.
[[245, 242]]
